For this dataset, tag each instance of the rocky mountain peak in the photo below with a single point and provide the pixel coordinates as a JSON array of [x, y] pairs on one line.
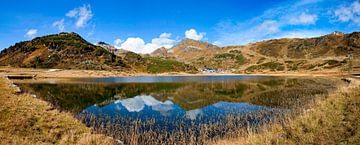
[[188, 45], [162, 51], [338, 33]]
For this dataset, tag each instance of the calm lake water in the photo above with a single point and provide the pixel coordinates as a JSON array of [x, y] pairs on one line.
[[171, 100], [356, 75]]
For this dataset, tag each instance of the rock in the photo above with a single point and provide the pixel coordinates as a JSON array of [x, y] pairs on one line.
[[16, 88]]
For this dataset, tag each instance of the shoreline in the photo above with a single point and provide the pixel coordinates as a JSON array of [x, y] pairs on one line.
[[330, 121], [68, 74], [26, 119], [78, 132]]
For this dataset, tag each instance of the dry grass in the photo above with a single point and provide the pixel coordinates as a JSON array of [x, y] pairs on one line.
[[147, 132], [332, 121], [27, 120]]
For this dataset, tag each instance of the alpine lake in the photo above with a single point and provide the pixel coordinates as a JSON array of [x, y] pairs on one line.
[[179, 109]]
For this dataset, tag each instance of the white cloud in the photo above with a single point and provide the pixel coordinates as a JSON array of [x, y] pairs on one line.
[[117, 42], [268, 26], [304, 19], [31, 33], [192, 114], [134, 44], [301, 34], [350, 13], [234, 34], [83, 14], [59, 24], [138, 45], [163, 41], [343, 14], [92, 31], [192, 34], [283, 19], [304, 2], [72, 13]]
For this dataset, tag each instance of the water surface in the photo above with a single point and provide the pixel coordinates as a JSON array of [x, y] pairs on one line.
[[172, 100]]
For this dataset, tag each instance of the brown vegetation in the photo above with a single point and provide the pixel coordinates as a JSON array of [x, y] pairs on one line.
[[69, 51], [27, 120], [326, 53], [331, 121]]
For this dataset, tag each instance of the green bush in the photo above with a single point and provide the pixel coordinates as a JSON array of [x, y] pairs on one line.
[[161, 65], [238, 57], [272, 66]]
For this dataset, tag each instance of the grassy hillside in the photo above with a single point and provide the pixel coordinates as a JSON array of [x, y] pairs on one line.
[[70, 51], [328, 53], [26, 120], [325, 53], [156, 64], [331, 121], [331, 45], [64, 50]]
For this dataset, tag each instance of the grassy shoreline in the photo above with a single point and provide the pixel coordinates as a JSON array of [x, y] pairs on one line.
[[63, 74], [331, 121], [27, 120]]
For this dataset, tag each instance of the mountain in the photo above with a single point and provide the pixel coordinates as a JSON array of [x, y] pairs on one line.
[[63, 50], [190, 45], [184, 48], [160, 52], [71, 51], [331, 45], [328, 53], [189, 50], [106, 46], [111, 48], [325, 53]]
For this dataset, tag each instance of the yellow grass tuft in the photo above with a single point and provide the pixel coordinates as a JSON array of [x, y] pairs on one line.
[[27, 120], [332, 121]]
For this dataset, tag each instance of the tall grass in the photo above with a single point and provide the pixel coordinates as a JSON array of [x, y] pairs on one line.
[[287, 98], [182, 131], [136, 131]]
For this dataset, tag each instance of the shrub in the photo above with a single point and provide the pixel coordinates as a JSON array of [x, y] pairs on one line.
[[238, 57], [160, 65], [272, 66]]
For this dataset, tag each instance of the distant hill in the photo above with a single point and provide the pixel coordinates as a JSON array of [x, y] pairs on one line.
[[161, 52], [184, 48], [63, 50], [328, 52], [111, 48], [325, 53], [187, 50], [190, 45], [71, 51], [331, 45]]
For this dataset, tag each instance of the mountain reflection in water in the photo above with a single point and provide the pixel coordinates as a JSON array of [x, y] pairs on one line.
[[145, 107], [170, 100]]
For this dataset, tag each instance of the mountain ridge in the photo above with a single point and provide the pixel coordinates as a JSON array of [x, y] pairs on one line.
[[328, 52], [63, 50], [71, 51]]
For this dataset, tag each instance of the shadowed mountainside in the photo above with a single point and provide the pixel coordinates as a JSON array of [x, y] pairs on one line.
[[64, 50]]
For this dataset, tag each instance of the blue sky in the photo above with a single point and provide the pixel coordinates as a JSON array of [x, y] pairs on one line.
[[144, 25]]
